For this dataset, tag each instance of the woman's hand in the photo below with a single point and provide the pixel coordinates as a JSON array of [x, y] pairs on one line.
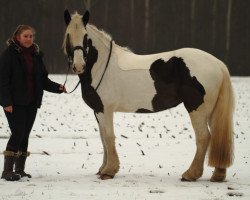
[[62, 88], [9, 109]]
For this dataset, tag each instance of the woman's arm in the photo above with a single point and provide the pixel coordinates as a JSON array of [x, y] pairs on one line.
[[49, 85], [5, 80]]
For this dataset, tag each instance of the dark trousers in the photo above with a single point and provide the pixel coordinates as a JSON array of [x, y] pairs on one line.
[[20, 121]]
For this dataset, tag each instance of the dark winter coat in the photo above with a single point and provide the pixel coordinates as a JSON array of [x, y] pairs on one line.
[[13, 77]]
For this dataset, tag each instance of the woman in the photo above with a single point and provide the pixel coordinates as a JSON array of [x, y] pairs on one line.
[[23, 77]]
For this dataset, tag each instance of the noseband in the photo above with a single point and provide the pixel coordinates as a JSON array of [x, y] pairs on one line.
[[70, 50], [83, 50]]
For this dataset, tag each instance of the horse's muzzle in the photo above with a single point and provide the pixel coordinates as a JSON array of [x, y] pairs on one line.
[[77, 71]]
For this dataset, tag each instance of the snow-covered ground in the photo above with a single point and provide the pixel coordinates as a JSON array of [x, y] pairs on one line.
[[67, 152]]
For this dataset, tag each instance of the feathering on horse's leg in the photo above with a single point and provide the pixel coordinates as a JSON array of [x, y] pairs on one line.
[[221, 150], [202, 135], [112, 161]]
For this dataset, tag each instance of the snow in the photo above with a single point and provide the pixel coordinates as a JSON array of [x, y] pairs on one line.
[[154, 151]]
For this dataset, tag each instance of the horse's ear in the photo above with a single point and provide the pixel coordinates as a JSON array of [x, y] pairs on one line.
[[85, 18], [67, 17]]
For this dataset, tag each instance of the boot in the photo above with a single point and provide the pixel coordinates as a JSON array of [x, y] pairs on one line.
[[9, 159], [20, 164]]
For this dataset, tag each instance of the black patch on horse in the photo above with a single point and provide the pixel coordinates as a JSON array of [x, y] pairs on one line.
[[143, 110], [174, 84], [89, 95]]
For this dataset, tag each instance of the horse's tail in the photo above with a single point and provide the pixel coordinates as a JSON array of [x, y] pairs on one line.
[[221, 150]]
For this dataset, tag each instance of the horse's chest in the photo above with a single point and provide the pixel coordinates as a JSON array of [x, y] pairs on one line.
[[92, 99]]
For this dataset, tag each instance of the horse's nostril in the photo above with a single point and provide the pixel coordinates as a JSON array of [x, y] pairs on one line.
[[74, 68]]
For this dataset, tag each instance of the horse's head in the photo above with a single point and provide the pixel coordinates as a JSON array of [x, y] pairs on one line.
[[75, 41]]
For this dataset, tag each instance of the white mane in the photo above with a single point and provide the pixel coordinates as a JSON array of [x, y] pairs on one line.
[[107, 36], [102, 32], [76, 28]]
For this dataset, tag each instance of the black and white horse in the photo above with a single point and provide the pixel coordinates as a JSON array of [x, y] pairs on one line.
[[114, 79]]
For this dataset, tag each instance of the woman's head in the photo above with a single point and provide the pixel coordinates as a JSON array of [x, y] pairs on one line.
[[24, 34]]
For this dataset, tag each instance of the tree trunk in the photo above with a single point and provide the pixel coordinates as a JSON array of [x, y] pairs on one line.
[[87, 4], [193, 6], [228, 28], [214, 14], [146, 24], [132, 19], [106, 14]]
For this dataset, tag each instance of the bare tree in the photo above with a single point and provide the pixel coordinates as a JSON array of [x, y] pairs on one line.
[[228, 28], [214, 14], [106, 13], [132, 19], [89, 4], [193, 7], [146, 24]]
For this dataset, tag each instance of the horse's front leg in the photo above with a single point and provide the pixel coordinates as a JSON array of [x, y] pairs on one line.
[[104, 153], [111, 162]]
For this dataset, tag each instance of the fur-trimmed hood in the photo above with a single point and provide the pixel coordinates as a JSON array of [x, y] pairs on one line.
[[13, 44]]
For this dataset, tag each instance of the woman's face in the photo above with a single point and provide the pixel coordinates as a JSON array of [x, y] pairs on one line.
[[26, 38]]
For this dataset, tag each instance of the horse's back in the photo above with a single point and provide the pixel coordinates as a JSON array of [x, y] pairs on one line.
[[195, 59], [188, 75]]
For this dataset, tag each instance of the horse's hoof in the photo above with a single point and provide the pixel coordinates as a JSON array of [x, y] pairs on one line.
[[219, 175], [185, 180], [105, 176], [217, 179], [98, 173], [190, 177]]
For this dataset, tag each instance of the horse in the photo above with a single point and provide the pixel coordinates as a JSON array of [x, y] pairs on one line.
[[114, 79]]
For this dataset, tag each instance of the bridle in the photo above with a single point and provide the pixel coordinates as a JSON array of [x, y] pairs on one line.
[[70, 54]]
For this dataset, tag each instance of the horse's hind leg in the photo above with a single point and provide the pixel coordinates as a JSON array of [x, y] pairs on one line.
[[219, 175], [202, 134]]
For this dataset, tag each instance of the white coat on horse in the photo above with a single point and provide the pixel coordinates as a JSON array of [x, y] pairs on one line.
[[114, 79]]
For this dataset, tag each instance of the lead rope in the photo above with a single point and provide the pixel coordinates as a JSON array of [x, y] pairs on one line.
[[110, 51], [69, 65]]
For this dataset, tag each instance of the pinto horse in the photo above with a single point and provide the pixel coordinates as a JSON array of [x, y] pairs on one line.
[[114, 79]]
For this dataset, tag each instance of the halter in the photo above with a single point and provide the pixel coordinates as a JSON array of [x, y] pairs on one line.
[[70, 61]]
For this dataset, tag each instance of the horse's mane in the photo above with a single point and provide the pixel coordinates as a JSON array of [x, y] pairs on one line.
[[77, 18], [106, 35], [102, 32]]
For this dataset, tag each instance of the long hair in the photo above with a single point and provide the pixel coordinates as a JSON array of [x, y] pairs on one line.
[[221, 153]]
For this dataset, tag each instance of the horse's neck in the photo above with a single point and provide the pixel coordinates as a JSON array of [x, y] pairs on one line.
[[127, 60], [102, 45]]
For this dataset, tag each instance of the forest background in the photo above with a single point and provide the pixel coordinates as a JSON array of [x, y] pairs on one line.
[[220, 27]]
